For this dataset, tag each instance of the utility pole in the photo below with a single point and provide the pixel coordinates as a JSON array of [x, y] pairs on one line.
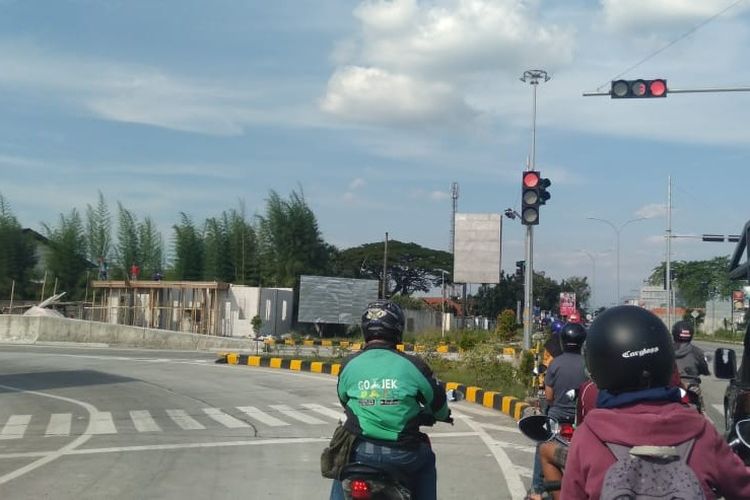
[[532, 77], [668, 276], [385, 267]]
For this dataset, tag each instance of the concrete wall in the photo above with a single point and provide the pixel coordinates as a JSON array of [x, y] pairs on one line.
[[29, 330]]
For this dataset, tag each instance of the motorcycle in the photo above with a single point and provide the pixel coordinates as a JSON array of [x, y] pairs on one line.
[[362, 481], [736, 399], [543, 428]]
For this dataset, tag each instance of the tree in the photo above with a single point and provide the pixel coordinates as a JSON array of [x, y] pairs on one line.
[[492, 300], [128, 248], [578, 285], [150, 248], [411, 267], [17, 255], [66, 258], [188, 248], [98, 230], [697, 281], [217, 251], [290, 241], [242, 246]]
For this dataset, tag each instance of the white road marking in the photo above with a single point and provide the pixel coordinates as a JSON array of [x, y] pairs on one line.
[[224, 419], [336, 415], [143, 421], [184, 421], [719, 408], [512, 477], [166, 447], [47, 457], [15, 427], [476, 410], [297, 415], [261, 416], [503, 428], [102, 423], [59, 424]]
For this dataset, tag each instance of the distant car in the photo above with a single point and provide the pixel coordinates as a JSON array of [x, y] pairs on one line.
[[736, 397]]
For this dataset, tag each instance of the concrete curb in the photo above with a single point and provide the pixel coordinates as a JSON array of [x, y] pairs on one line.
[[511, 406], [356, 346]]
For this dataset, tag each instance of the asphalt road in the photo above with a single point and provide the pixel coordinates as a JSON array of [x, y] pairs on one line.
[[79, 423]]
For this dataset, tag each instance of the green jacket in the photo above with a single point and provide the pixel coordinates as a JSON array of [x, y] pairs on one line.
[[384, 391]]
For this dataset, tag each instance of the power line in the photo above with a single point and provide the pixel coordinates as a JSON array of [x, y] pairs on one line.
[[673, 42]]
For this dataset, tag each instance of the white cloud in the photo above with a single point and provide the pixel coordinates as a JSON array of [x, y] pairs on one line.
[[657, 16], [375, 95], [439, 195], [434, 195], [418, 61], [357, 183], [652, 210]]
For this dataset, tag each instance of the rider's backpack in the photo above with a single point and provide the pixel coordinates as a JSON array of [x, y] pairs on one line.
[[651, 472]]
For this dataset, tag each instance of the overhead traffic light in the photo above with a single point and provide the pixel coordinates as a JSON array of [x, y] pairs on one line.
[[520, 267], [638, 89], [533, 195]]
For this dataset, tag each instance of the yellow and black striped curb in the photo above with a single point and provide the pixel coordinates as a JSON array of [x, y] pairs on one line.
[[356, 346], [509, 405]]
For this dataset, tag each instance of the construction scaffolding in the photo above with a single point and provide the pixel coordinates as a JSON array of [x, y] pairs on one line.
[[186, 306]]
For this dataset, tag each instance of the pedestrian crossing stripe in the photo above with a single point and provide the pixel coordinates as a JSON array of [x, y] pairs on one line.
[[150, 421]]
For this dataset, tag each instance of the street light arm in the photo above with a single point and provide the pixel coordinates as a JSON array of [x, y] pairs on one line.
[[632, 220], [614, 228]]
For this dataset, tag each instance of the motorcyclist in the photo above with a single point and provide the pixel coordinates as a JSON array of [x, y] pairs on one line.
[[552, 347], [386, 395], [565, 374], [690, 359], [630, 357]]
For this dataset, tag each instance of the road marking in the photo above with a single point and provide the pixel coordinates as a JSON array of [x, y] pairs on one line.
[[476, 411], [297, 415], [167, 447], [336, 415], [261, 416], [184, 421], [102, 423], [143, 421], [224, 419], [512, 477], [59, 424], [15, 427], [503, 428], [719, 408], [51, 456]]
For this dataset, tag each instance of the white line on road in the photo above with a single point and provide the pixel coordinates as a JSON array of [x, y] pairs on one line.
[[143, 421], [15, 427], [504, 428], [261, 416], [512, 478], [59, 424], [224, 419], [336, 415], [184, 421], [719, 408], [464, 407], [48, 457], [102, 423], [297, 415]]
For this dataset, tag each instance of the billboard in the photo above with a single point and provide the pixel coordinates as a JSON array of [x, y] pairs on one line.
[[568, 304], [476, 252], [334, 300]]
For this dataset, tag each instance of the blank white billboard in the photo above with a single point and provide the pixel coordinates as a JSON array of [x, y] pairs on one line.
[[476, 254]]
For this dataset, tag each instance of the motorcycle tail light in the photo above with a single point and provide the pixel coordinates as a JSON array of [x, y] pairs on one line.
[[566, 431], [360, 489]]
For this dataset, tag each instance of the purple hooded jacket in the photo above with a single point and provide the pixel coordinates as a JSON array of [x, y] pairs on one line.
[[652, 423]]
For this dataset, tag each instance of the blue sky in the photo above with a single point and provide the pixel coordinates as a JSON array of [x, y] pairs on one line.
[[374, 108]]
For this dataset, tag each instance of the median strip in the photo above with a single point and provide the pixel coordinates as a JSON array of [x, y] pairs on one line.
[[509, 405]]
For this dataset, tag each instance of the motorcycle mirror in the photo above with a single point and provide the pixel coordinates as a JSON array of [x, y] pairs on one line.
[[454, 395], [538, 427], [742, 429], [725, 363]]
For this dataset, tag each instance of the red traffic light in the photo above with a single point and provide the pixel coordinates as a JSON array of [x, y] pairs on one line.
[[638, 89], [530, 179]]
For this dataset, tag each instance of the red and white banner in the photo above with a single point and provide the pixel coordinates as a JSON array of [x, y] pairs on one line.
[[568, 304]]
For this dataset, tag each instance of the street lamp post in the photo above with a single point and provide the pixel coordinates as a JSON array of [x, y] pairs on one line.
[[593, 277], [617, 231]]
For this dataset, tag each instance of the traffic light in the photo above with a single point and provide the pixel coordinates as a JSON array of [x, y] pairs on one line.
[[533, 195], [638, 89], [520, 267]]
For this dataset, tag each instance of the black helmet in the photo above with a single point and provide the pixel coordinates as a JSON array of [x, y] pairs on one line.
[[682, 331], [384, 320], [572, 337], [628, 348]]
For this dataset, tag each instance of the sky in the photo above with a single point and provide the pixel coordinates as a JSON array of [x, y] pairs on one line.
[[373, 108]]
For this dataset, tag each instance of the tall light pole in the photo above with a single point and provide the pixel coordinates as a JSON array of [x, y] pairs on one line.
[[532, 77], [593, 276], [617, 231], [385, 266]]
